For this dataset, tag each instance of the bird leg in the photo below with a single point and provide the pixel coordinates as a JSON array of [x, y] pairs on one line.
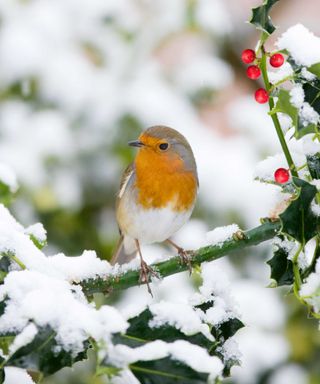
[[184, 255], [146, 271]]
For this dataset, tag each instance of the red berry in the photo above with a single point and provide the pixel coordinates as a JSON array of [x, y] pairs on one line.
[[253, 72], [281, 175], [261, 96], [248, 56], [276, 60]]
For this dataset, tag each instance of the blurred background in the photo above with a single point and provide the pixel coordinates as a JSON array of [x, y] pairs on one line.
[[79, 79]]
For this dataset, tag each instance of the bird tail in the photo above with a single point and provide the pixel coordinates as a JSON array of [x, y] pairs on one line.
[[120, 255]]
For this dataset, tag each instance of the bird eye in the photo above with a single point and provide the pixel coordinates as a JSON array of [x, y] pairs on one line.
[[163, 146]]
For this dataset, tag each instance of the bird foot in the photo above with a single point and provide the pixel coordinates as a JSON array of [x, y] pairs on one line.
[[185, 257], [146, 272]]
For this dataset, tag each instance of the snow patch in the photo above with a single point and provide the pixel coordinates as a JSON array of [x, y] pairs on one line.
[[8, 177], [222, 234], [15, 375], [302, 45]]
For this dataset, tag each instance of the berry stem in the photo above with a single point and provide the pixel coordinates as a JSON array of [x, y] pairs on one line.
[[274, 116], [275, 85]]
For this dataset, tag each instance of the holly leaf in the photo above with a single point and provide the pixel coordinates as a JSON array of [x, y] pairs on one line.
[[284, 106], [230, 327], [298, 220], [5, 194], [315, 69], [166, 371], [281, 267], [261, 19], [313, 162], [140, 332], [2, 376], [43, 354], [312, 94]]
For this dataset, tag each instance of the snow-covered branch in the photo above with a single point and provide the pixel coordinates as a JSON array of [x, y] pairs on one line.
[[126, 277]]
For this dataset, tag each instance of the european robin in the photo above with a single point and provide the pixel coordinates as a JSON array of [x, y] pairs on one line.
[[157, 195]]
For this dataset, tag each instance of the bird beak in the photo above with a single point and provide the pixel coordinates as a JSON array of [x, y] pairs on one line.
[[136, 143]]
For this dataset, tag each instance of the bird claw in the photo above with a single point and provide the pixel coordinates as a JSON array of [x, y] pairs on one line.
[[185, 257], [146, 272]]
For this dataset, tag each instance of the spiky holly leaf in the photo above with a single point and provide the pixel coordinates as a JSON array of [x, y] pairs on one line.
[[298, 220], [284, 106], [281, 266], [230, 327], [139, 331], [168, 370], [43, 354], [261, 19], [313, 162]]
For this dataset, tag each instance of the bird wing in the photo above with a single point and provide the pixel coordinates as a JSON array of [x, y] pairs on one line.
[[128, 172], [120, 256]]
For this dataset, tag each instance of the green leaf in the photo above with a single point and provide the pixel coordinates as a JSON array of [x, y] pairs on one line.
[[315, 69], [140, 333], [313, 162], [5, 342], [2, 376], [298, 219], [284, 106], [39, 244], [312, 94], [166, 371], [44, 354], [108, 371], [230, 327], [5, 194], [261, 19], [281, 267]]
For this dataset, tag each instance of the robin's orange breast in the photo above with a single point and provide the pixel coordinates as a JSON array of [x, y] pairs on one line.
[[162, 180]]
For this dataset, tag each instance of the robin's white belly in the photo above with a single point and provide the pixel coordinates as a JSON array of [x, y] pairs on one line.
[[149, 225]]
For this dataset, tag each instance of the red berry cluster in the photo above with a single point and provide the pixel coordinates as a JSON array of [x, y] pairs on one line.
[[248, 56]]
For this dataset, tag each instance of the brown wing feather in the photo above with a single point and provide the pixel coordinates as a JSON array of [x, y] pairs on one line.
[[119, 256]]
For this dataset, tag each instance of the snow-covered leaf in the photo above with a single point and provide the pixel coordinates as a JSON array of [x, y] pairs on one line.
[[281, 266], [43, 354], [313, 162], [166, 371], [150, 326], [312, 94]]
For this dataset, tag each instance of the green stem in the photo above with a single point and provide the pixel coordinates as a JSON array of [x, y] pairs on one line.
[[274, 116], [11, 256], [275, 85], [169, 267], [296, 272]]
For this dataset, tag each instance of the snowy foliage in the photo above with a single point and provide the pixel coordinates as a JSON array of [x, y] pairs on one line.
[[41, 301], [75, 72]]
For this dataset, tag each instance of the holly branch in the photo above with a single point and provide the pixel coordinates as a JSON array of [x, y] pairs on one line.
[[239, 241]]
